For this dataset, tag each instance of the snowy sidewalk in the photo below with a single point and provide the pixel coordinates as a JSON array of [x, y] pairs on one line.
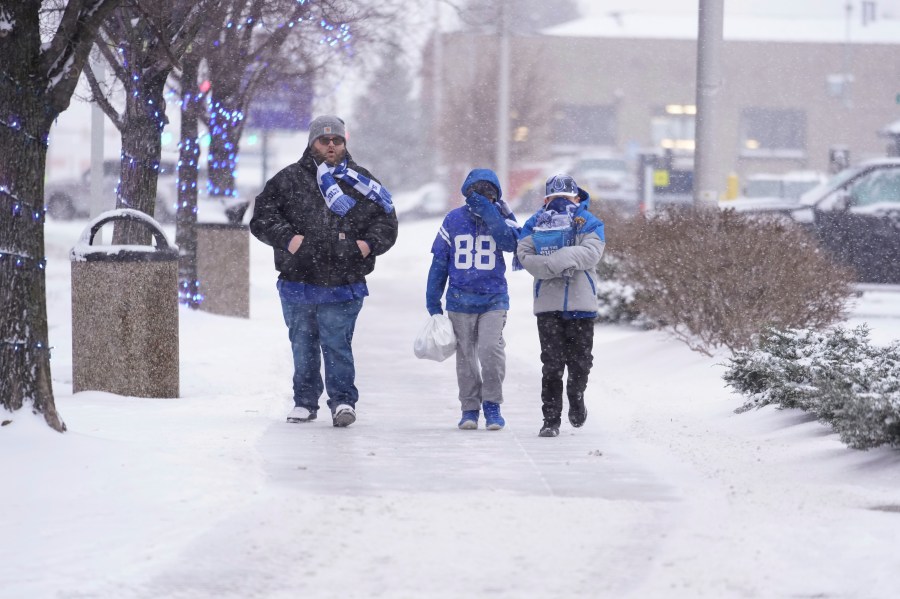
[[664, 493], [406, 438]]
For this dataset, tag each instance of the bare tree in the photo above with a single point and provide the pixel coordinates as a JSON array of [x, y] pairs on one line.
[[468, 120], [142, 41], [244, 50], [390, 131], [44, 47], [466, 128], [261, 42], [188, 164]]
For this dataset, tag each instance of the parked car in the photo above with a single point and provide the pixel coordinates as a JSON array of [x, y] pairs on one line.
[[71, 198], [778, 192], [856, 216], [790, 185], [425, 201], [606, 178]]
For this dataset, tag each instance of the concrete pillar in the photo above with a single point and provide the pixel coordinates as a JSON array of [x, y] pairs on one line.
[[223, 268]]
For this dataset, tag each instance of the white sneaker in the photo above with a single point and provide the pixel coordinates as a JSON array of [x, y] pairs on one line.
[[344, 415], [301, 414]]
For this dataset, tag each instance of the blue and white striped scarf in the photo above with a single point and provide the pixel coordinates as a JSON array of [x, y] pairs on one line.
[[339, 202]]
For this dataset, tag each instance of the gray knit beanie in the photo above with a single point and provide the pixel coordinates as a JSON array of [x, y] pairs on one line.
[[326, 125]]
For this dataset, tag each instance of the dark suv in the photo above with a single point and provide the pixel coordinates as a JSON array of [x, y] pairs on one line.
[[856, 216]]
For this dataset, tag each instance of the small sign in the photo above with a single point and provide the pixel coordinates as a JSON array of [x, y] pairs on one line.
[[660, 178]]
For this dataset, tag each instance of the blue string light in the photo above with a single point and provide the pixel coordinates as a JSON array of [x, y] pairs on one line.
[[222, 121], [21, 345], [189, 293], [20, 208], [22, 261], [16, 125], [132, 160]]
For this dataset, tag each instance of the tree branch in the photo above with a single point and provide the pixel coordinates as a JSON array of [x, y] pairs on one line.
[[68, 51], [100, 98]]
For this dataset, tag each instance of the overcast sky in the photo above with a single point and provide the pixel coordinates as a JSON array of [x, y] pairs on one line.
[[801, 8]]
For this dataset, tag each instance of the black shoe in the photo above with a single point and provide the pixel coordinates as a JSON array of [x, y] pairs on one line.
[[550, 429], [577, 414]]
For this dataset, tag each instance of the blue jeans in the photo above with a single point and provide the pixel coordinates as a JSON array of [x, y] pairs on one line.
[[326, 330]]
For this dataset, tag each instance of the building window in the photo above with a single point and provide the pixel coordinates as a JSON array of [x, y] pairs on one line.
[[773, 133], [672, 127], [584, 125]]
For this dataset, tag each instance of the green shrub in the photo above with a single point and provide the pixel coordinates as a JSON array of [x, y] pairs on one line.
[[838, 375]]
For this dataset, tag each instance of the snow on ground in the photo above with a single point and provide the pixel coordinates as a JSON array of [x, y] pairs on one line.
[[664, 493]]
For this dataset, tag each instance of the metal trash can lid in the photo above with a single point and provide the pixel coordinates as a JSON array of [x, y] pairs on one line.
[[86, 251]]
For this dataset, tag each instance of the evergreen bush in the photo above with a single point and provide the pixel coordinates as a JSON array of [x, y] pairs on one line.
[[837, 375]]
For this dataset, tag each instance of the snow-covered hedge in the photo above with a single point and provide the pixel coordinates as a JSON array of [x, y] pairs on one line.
[[837, 374], [617, 300]]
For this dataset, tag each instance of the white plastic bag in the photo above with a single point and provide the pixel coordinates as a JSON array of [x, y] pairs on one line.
[[436, 341]]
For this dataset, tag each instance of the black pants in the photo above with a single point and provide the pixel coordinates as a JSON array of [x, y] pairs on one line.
[[564, 344]]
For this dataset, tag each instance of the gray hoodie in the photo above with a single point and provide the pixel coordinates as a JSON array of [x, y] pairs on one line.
[[564, 280]]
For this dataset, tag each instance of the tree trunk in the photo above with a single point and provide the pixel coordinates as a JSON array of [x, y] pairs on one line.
[[145, 118], [226, 124], [37, 80], [25, 119], [189, 155]]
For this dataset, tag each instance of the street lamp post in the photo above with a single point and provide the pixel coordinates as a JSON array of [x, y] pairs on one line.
[[503, 98], [709, 82], [438, 93], [98, 205]]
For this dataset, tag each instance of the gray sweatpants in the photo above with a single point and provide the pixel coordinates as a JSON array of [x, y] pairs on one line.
[[480, 357]]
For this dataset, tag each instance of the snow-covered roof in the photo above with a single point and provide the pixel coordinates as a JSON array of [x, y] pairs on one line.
[[891, 129], [739, 28]]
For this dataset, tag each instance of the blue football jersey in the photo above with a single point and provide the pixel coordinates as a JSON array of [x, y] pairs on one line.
[[475, 263]]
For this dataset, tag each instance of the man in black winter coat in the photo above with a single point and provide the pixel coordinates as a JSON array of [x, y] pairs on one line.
[[326, 219]]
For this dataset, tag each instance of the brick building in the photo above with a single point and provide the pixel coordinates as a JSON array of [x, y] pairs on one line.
[[792, 90]]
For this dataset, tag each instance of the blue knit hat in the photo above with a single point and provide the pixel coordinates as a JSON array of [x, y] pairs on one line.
[[561, 185]]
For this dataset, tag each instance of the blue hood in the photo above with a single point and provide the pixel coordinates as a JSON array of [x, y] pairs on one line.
[[481, 174], [584, 199]]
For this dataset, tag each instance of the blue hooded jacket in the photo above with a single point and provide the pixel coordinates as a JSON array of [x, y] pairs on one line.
[[468, 250]]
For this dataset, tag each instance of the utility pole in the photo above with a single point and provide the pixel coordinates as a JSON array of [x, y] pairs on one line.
[[437, 89], [503, 98], [97, 192], [709, 82], [847, 76]]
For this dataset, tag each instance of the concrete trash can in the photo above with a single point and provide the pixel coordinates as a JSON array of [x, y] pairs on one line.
[[223, 268], [125, 313]]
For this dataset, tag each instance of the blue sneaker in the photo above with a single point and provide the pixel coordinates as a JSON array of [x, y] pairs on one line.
[[469, 420], [493, 421]]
